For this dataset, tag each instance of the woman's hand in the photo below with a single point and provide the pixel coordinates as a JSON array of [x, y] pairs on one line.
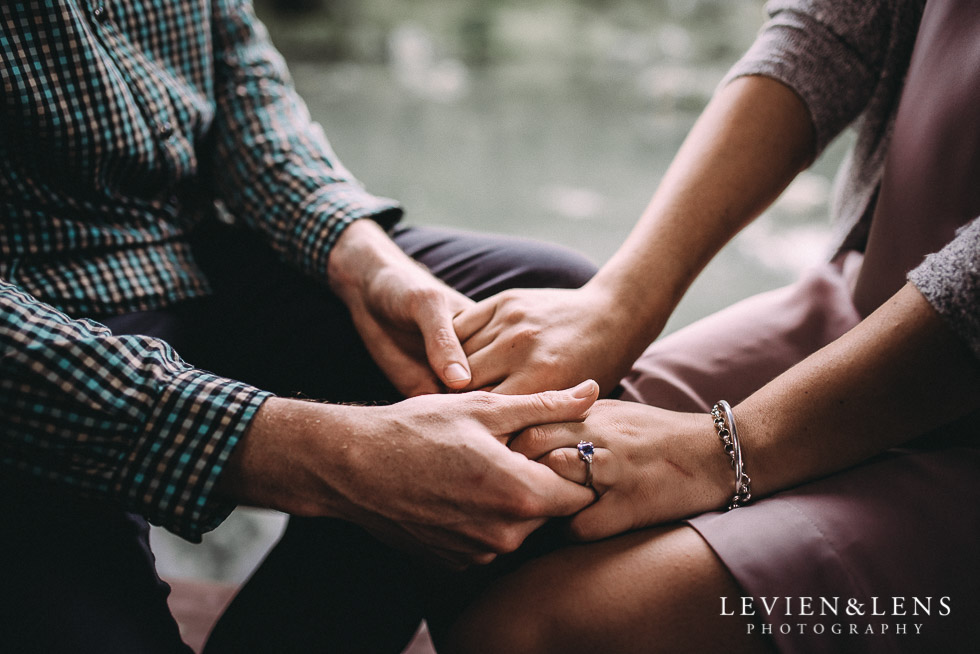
[[650, 465], [530, 340], [899, 374]]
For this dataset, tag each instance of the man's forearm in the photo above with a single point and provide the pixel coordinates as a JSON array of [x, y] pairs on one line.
[[271, 466], [279, 175]]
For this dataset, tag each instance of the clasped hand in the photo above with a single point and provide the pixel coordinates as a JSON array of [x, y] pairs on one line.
[[427, 337], [650, 465], [530, 340], [401, 311]]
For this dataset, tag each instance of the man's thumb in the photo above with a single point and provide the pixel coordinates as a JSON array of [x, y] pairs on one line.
[[517, 412]]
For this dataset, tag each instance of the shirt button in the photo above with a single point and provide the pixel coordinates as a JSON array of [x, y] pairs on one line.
[[100, 13], [165, 130]]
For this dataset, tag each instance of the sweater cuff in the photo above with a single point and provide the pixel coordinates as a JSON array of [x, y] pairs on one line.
[[950, 281], [806, 56]]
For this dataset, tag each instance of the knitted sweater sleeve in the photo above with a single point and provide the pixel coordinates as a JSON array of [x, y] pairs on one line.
[[835, 54], [950, 281]]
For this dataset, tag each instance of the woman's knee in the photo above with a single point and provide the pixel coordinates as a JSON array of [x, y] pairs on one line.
[[649, 591]]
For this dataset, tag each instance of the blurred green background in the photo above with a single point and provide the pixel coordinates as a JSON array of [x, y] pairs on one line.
[[551, 119]]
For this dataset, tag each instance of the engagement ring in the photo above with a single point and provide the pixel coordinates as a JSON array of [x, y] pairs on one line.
[[586, 452]]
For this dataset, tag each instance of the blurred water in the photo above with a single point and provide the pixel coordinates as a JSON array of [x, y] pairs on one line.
[[548, 119]]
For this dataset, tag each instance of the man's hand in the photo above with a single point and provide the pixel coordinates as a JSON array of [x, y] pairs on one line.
[[403, 314], [528, 340], [430, 473]]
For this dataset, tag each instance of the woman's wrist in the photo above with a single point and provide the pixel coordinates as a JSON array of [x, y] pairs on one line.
[[716, 476], [639, 309], [611, 334], [632, 316], [692, 449]]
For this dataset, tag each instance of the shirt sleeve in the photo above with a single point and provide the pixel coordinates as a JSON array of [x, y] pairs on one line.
[[832, 53], [115, 417], [274, 168], [950, 281]]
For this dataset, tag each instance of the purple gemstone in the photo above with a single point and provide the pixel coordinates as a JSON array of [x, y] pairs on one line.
[[586, 449]]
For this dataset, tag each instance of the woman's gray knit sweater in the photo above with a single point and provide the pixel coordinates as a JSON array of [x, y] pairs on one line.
[[847, 60]]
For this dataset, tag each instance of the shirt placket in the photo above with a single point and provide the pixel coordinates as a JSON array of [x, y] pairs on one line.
[[152, 100]]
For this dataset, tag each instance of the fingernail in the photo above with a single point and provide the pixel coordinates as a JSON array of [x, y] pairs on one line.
[[456, 372], [585, 389]]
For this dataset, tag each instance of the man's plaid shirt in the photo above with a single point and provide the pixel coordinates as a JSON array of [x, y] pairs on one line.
[[122, 124]]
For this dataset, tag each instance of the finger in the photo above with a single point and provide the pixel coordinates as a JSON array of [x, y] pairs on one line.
[[480, 340], [521, 382], [558, 497], [473, 319], [442, 347], [506, 414], [567, 463], [603, 519], [491, 366], [408, 375], [535, 442]]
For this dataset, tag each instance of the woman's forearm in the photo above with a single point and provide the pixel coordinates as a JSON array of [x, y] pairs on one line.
[[748, 144], [899, 374], [752, 139]]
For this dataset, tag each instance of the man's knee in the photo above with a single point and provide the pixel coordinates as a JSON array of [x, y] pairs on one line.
[[78, 576], [481, 265], [544, 265]]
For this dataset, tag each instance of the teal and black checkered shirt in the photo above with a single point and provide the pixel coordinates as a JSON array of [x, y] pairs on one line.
[[123, 124]]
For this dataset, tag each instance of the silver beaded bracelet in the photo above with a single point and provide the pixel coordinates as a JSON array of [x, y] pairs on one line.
[[724, 419]]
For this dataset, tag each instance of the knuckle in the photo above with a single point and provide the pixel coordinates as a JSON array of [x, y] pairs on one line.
[[534, 438], [549, 362], [580, 530], [481, 401], [557, 460], [507, 540], [519, 503], [548, 401], [528, 507], [444, 337], [526, 335], [484, 559], [515, 314]]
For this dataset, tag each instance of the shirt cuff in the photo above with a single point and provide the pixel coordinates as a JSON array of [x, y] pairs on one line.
[[328, 213], [950, 281], [170, 474]]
